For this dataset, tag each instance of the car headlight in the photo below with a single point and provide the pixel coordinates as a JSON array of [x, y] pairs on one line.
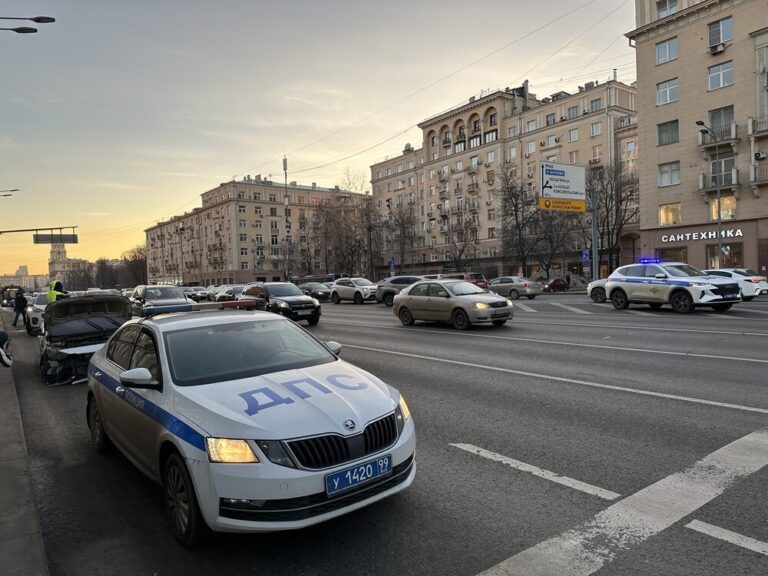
[[29, 310], [230, 451], [282, 304], [703, 286], [315, 302], [509, 302], [404, 408], [481, 305], [402, 414]]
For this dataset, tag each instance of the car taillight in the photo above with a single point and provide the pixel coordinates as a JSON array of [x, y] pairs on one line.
[[525, 284], [754, 280]]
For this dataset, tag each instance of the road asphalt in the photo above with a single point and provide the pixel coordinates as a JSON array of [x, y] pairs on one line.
[[21, 542]]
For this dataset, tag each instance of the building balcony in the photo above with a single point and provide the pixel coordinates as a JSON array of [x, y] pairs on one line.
[[757, 127], [442, 176], [457, 210], [758, 176], [472, 205], [473, 188], [724, 181], [727, 135], [458, 190], [444, 194], [472, 169], [446, 142]]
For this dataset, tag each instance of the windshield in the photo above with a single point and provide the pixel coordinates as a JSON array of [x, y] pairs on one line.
[[362, 282], [224, 352], [316, 286], [284, 290], [682, 270], [477, 277], [41, 300], [745, 272], [463, 288], [163, 293]]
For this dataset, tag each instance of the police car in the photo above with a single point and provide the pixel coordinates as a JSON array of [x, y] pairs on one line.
[[676, 283], [248, 422]]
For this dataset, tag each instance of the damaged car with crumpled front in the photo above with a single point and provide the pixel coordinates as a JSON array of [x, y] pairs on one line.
[[75, 328]]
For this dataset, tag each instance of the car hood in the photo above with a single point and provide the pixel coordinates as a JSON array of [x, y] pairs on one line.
[[165, 302], [487, 298], [288, 404], [303, 299], [80, 309]]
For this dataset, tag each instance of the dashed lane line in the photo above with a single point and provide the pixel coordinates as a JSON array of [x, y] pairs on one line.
[[540, 472], [563, 380], [730, 537], [628, 523], [569, 308]]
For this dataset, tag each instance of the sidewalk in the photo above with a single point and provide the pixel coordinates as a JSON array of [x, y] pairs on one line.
[[21, 543]]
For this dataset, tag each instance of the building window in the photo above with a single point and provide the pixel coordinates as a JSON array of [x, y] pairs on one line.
[[258, 224], [675, 254], [594, 105], [493, 119], [460, 145], [668, 133], [573, 111], [459, 165], [432, 173], [257, 196], [531, 147], [666, 7], [573, 135], [722, 170], [491, 232], [731, 257], [573, 157], [727, 210], [273, 197], [399, 167], [490, 157], [477, 126], [720, 31], [512, 132], [512, 153], [597, 151], [257, 210], [243, 251], [550, 119], [669, 214], [241, 209], [243, 237], [491, 136], [666, 51], [432, 141], [474, 142], [551, 141], [410, 180], [669, 174], [666, 92], [720, 120], [273, 211], [531, 126], [273, 224], [243, 265], [721, 75], [596, 129], [241, 223]]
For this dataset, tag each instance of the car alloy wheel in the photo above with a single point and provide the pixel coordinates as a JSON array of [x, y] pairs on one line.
[[184, 516], [358, 298], [99, 439], [406, 317], [598, 295], [619, 300], [389, 299], [335, 298], [460, 320], [682, 303], [514, 294]]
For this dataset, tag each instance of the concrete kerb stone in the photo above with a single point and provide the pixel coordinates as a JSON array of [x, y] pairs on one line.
[[21, 542]]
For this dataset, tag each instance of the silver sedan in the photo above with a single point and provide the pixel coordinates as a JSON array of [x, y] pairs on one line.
[[456, 301], [515, 286]]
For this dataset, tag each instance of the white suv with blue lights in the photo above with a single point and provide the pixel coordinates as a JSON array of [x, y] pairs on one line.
[[675, 283]]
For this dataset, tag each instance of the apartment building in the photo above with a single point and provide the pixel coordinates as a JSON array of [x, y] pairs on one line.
[[703, 112], [427, 197], [247, 230]]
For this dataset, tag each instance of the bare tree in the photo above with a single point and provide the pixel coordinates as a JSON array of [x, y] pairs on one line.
[[80, 278], [105, 275], [401, 222], [617, 206], [462, 242], [134, 269], [554, 231], [519, 221]]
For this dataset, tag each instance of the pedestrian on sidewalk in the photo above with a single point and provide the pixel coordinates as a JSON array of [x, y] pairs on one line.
[[5, 350], [20, 307]]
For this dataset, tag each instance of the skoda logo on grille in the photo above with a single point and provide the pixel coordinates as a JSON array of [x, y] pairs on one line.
[[349, 424]]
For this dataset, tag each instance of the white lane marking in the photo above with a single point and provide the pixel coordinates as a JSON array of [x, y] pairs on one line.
[[567, 380], [587, 548], [730, 537], [570, 308], [524, 307], [636, 313], [574, 344], [540, 472]]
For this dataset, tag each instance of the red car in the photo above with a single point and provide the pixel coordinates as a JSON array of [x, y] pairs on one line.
[[556, 285], [475, 278]]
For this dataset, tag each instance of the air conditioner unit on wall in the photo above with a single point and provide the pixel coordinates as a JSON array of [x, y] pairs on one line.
[[717, 48]]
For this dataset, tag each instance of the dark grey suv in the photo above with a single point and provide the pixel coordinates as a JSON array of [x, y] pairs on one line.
[[387, 288]]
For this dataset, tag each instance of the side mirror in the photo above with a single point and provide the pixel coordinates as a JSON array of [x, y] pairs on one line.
[[138, 378], [334, 347], [660, 276]]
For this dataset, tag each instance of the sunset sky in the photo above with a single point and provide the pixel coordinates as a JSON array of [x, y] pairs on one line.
[[120, 114]]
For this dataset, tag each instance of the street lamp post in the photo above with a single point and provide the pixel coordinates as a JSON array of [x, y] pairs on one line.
[[27, 29], [707, 130]]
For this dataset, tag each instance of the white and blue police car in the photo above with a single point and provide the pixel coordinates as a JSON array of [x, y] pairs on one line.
[[247, 421], [675, 283]]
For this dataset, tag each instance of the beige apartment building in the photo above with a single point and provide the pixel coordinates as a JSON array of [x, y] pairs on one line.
[[247, 230], [426, 197], [703, 111]]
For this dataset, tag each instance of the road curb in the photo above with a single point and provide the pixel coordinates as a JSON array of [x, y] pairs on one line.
[[21, 541]]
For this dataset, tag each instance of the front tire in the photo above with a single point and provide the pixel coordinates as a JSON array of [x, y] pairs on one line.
[[358, 298], [389, 299], [682, 303], [598, 295], [99, 439], [406, 318], [460, 320], [335, 298], [514, 294], [619, 300], [187, 524], [313, 321]]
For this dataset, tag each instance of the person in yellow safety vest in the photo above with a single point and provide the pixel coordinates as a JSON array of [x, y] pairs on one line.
[[56, 291]]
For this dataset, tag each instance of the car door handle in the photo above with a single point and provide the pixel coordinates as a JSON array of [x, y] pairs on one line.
[[120, 391], [97, 375]]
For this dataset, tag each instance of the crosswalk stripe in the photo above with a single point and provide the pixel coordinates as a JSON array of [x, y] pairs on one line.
[[569, 308], [524, 308]]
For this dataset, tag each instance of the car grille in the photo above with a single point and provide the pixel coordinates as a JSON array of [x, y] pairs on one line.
[[302, 306], [499, 304], [290, 509], [331, 450], [726, 290]]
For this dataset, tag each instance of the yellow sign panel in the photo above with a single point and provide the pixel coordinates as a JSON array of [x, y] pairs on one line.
[[562, 205]]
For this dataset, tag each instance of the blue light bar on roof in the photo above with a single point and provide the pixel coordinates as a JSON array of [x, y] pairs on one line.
[[650, 260]]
